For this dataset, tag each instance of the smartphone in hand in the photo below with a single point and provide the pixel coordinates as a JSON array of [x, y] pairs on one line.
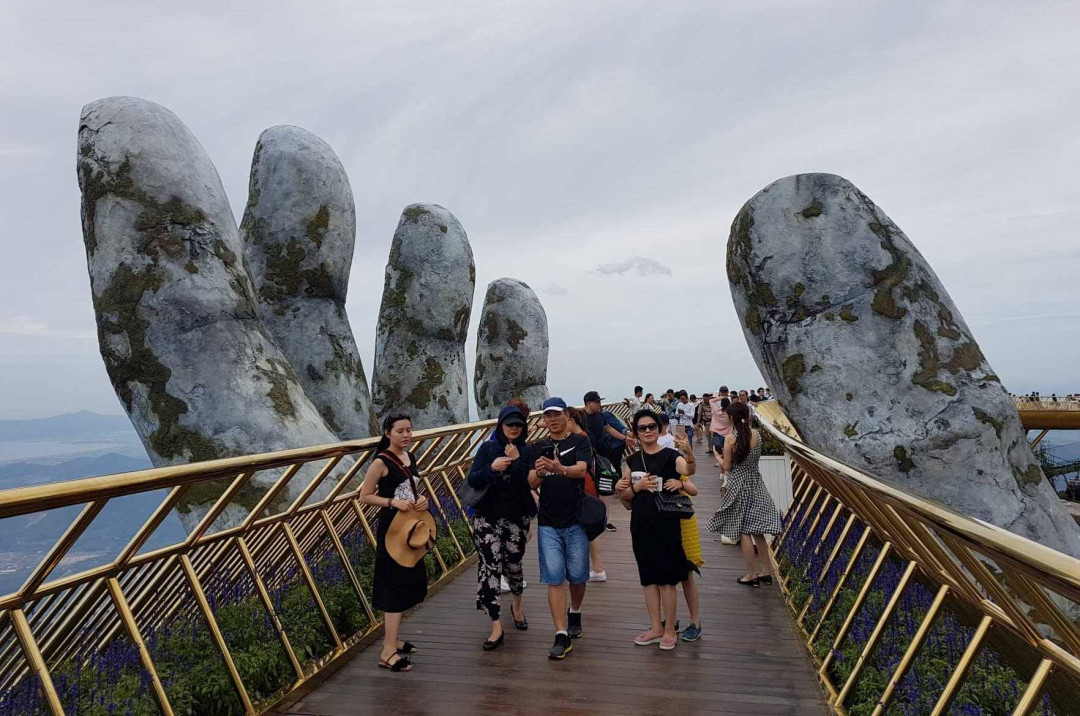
[[548, 451], [680, 431]]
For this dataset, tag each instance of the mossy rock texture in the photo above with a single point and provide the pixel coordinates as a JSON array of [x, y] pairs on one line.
[[424, 319], [177, 325], [901, 365], [511, 348], [298, 234]]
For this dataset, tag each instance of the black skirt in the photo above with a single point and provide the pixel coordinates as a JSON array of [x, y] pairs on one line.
[[657, 543], [395, 588]]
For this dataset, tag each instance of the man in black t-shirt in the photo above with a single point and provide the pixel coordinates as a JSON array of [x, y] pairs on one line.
[[561, 541]]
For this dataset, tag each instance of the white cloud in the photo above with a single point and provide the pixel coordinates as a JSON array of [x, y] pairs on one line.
[[554, 289], [639, 265], [26, 326]]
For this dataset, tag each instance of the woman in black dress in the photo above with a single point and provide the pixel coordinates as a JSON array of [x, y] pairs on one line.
[[387, 485], [657, 541]]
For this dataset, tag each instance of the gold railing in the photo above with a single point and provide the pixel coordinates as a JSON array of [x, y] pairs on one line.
[[270, 599], [876, 575]]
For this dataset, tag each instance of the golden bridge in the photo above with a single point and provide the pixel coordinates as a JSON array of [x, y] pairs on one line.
[[887, 603]]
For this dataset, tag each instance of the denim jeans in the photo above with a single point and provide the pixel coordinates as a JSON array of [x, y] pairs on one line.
[[564, 554]]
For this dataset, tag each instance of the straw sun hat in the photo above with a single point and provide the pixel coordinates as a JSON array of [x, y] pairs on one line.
[[411, 535]]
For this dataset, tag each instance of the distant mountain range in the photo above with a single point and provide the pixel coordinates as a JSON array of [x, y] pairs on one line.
[[70, 447], [21, 473], [71, 427]]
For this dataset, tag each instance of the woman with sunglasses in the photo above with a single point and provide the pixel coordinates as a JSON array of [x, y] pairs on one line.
[[501, 520], [657, 540]]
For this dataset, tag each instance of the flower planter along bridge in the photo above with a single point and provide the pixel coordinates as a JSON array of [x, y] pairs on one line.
[[897, 605]]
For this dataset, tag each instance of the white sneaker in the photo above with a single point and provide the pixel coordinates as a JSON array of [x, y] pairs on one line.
[[504, 586], [597, 576]]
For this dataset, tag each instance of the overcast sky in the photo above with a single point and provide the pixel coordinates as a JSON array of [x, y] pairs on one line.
[[597, 151]]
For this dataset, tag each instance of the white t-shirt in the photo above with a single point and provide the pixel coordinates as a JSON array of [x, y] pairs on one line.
[[635, 403], [667, 441], [685, 413]]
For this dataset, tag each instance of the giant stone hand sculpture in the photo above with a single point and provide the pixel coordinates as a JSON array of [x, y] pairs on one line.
[[177, 324], [511, 348], [873, 363], [424, 318], [298, 232]]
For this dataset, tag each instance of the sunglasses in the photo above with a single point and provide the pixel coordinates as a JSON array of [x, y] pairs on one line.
[[645, 427]]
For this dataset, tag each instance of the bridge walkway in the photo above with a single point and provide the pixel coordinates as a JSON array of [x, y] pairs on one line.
[[749, 661]]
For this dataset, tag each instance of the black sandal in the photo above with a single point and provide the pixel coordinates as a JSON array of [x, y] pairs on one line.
[[493, 645], [402, 663], [765, 579], [522, 624], [751, 583], [407, 648]]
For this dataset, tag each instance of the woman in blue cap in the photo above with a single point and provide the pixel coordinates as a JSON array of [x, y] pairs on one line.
[[501, 520]]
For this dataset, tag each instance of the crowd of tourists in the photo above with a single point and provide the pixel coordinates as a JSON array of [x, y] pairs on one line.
[[559, 489]]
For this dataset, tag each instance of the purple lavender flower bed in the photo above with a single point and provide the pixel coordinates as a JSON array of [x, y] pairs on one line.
[[991, 687]]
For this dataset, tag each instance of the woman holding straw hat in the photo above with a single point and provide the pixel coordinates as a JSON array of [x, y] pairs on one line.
[[405, 533]]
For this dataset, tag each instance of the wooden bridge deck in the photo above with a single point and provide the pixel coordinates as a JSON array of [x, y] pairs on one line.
[[749, 661]]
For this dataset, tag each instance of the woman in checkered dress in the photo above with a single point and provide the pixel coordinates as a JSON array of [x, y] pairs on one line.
[[747, 512]]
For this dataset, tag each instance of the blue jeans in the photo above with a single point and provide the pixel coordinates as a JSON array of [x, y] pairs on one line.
[[564, 554]]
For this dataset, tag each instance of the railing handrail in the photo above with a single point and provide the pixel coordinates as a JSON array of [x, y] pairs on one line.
[[1063, 568]]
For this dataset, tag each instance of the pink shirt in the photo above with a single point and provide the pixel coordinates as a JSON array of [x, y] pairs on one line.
[[721, 423]]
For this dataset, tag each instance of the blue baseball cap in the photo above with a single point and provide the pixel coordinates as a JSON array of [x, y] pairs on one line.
[[554, 405]]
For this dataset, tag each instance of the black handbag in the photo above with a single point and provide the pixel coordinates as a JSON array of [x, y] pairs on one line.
[[671, 505], [605, 476], [674, 505]]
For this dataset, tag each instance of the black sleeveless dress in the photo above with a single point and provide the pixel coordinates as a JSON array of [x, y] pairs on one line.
[[395, 588], [657, 541]]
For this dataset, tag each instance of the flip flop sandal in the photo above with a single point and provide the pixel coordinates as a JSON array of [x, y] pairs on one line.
[[407, 648], [401, 664], [666, 645], [647, 641]]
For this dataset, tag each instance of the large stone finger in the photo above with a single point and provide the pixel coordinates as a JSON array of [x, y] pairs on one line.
[[424, 318], [872, 361], [182, 344], [298, 232], [511, 348]]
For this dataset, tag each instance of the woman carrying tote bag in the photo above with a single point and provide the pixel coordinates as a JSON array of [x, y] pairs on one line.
[[405, 533], [501, 518]]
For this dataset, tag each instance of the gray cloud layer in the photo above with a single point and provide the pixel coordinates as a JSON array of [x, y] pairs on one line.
[[571, 135]]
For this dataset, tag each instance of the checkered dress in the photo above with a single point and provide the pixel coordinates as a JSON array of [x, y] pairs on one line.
[[746, 507]]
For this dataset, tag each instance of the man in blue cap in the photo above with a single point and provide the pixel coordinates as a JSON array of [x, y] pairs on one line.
[[561, 540]]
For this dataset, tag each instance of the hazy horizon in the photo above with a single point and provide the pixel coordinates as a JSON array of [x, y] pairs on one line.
[[597, 153]]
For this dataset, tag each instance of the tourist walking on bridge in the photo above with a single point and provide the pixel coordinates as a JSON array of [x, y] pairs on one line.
[[577, 425], [501, 519], [562, 543], [656, 539], [403, 536], [747, 512]]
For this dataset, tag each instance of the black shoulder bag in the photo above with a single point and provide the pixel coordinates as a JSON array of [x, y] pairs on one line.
[[671, 505]]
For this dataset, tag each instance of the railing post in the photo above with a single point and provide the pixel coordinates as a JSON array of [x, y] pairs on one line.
[[215, 631], [295, 547], [268, 604], [36, 661], [879, 629], [135, 635], [913, 649], [953, 685]]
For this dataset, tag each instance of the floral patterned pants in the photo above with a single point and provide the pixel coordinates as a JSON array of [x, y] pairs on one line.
[[500, 545]]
